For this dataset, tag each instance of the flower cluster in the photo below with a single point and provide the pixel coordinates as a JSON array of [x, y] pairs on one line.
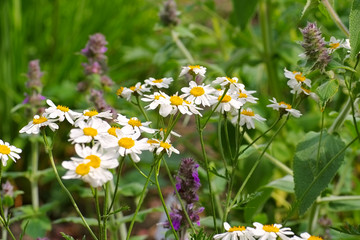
[[262, 232]]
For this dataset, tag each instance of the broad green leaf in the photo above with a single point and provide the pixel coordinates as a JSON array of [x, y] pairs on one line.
[[341, 206], [37, 226], [312, 176], [131, 189], [336, 65], [310, 5], [255, 205], [326, 91], [286, 184], [354, 28], [243, 10]]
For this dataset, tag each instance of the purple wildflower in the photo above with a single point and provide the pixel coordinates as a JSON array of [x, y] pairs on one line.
[[34, 74], [95, 47], [169, 14]]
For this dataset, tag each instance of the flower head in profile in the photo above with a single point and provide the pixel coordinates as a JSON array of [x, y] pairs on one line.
[[198, 94], [335, 44], [193, 70], [124, 92], [139, 89], [159, 83], [92, 165], [93, 115], [228, 102], [60, 112], [134, 124], [297, 81], [243, 96], [284, 108], [306, 236], [167, 147], [235, 232], [8, 151], [247, 117], [156, 99], [227, 81], [271, 232], [37, 123]]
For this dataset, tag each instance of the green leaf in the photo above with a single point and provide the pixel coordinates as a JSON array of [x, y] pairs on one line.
[[255, 205], [77, 220], [243, 11], [311, 176], [336, 65], [131, 189], [326, 91], [341, 206], [354, 28], [310, 5], [37, 227], [286, 184]]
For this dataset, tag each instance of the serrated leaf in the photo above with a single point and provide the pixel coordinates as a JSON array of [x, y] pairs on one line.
[[326, 91], [245, 199], [286, 184], [243, 10], [349, 229], [336, 65], [312, 176], [255, 205], [354, 28]]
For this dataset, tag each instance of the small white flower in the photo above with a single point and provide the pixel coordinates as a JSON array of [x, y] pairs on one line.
[[228, 103], [154, 143], [177, 103], [243, 95], [247, 117], [61, 112], [235, 233], [271, 232], [193, 70], [159, 83], [88, 131], [134, 123], [335, 44], [34, 126], [163, 131], [139, 88], [124, 92], [92, 115], [92, 165], [346, 44], [296, 81], [126, 143], [156, 99], [226, 81], [8, 151], [198, 94], [282, 105], [306, 236], [167, 147]]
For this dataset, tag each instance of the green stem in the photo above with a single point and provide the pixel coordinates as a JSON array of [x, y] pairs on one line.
[[163, 201], [181, 46], [106, 190], [117, 183], [141, 108], [141, 172], [227, 138], [34, 174], [340, 119], [320, 138], [97, 207], [49, 151], [313, 217], [335, 17], [200, 130]]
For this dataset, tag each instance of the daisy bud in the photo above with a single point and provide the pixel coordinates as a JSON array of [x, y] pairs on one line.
[[315, 46]]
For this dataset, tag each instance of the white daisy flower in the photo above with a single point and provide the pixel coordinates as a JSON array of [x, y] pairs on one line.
[[134, 123], [126, 143], [335, 44], [271, 232], [139, 88], [154, 143], [91, 165], [92, 115], [162, 132], [124, 92], [346, 44], [8, 151], [159, 83], [306, 236], [296, 81], [88, 131], [167, 147], [228, 103], [34, 126], [177, 103], [198, 94], [247, 117], [61, 112], [225, 81], [193, 70], [235, 233], [243, 95], [278, 106], [156, 99]]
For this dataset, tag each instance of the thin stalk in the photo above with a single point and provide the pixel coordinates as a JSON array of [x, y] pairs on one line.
[[49, 151], [313, 217], [106, 190], [117, 183], [141, 172], [97, 207], [335, 17], [163, 201], [200, 130], [320, 138], [181, 46], [34, 174], [227, 138], [257, 163], [141, 108], [338, 198], [222, 153]]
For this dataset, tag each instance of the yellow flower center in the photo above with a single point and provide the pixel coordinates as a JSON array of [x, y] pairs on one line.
[[89, 131], [134, 122], [334, 45], [152, 141], [82, 169], [226, 99], [39, 120], [242, 95], [132, 88], [119, 91], [231, 80], [176, 100], [314, 238], [4, 149], [270, 228], [165, 145], [91, 113], [126, 142], [306, 90], [194, 66], [112, 131], [248, 113], [158, 81], [239, 228], [300, 77], [197, 91], [288, 106], [94, 161], [62, 108]]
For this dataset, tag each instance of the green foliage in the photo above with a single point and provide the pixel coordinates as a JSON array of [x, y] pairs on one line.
[[243, 10], [68, 237], [349, 229], [326, 91], [354, 28], [312, 174]]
